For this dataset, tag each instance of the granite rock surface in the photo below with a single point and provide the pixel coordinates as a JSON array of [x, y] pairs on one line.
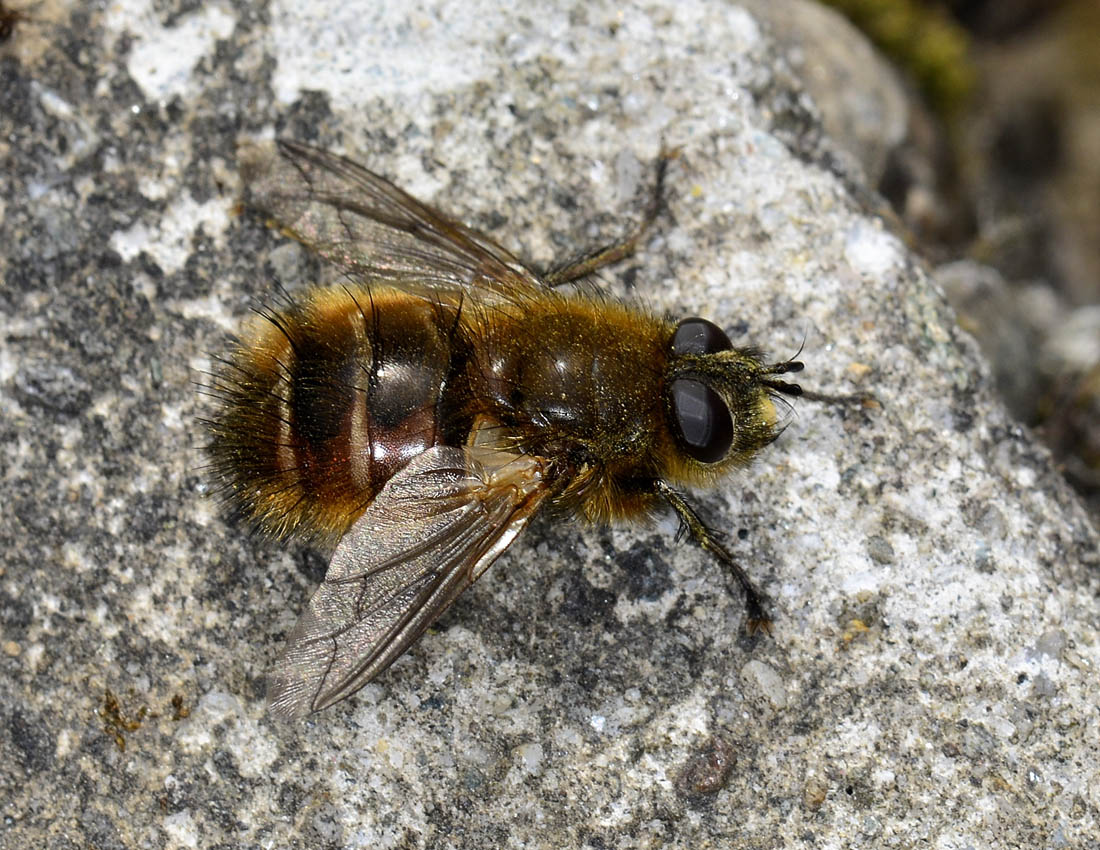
[[932, 676]]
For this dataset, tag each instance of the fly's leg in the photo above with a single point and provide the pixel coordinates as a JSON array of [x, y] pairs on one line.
[[853, 400], [756, 609], [609, 254]]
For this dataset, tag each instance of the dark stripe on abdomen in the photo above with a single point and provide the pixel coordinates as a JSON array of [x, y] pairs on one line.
[[364, 396]]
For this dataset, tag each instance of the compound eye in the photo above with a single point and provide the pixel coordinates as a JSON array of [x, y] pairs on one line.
[[698, 336], [706, 427]]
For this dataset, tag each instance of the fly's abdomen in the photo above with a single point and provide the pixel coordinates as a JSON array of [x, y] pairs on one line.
[[325, 400]]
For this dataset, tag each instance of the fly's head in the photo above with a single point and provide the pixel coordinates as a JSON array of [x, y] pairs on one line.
[[719, 401]]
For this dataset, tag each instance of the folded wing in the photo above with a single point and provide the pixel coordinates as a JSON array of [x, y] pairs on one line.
[[374, 232], [433, 529]]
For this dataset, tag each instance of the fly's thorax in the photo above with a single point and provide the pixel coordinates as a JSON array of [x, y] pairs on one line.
[[574, 377], [328, 397], [578, 381]]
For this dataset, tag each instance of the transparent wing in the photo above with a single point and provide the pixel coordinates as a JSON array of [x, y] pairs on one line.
[[433, 529], [371, 230]]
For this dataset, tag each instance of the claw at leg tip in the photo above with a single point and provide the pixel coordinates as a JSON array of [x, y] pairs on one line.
[[759, 624]]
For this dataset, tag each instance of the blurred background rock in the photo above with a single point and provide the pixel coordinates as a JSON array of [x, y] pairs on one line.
[[979, 122]]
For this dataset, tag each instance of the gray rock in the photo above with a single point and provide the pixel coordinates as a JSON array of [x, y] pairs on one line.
[[865, 108], [932, 674]]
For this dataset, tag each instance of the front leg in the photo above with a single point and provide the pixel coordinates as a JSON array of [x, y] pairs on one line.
[[756, 609], [593, 261]]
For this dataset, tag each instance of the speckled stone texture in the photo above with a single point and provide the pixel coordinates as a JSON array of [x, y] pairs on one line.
[[932, 680]]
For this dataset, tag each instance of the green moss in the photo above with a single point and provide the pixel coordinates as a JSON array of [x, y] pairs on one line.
[[922, 40]]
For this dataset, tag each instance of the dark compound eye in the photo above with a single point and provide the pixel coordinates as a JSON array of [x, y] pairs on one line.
[[698, 336], [705, 424]]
